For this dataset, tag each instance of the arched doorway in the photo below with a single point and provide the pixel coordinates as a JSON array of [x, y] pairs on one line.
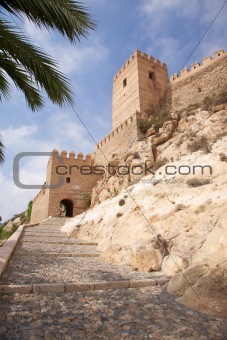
[[66, 208]]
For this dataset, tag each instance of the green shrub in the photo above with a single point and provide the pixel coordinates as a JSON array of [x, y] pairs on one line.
[[6, 234], [121, 202], [29, 212], [161, 118], [221, 98], [194, 106], [144, 125], [196, 182], [119, 214], [208, 102], [87, 201], [200, 143], [14, 228]]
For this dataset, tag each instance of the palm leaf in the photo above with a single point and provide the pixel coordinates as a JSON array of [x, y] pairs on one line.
[[4, 85], [22, 81], [69, 17], [41, 69], [1, 151]]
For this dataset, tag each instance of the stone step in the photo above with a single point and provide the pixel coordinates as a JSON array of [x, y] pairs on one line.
[[77, 287], [59, 254], [85, 243], [48, 235]]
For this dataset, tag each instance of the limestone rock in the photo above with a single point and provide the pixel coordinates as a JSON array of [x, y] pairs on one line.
[[162, 138], [182, 281], [146, 258], [219, 107], [8, 226], [212, 292], [173, 263], [169, 126], [150, 132]]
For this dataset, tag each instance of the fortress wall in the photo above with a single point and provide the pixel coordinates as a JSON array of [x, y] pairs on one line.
[[81, 181], [118, 141], [203, 80], [78, 180], [40, 206]]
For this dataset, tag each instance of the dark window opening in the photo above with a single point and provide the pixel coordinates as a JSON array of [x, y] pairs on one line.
[[67, 179], [151, 75], [199, 89], [124, 82], [219, 54]]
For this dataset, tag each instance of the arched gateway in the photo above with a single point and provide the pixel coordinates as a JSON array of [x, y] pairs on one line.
[[66, 208]]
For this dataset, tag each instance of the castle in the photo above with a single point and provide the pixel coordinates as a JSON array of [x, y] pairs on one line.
[[140, 86]]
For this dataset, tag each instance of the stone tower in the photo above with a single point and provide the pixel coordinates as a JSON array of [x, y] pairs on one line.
[[138, 86]]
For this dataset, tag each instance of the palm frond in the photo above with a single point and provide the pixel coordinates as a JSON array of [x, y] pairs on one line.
[[2, 158], [22, 81], [4, 85], [41, 69], [69, 17]]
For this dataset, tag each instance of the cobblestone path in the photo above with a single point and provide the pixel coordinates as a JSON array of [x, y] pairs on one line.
[[44, 255]]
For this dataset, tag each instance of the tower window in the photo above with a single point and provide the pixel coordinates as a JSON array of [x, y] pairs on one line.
[[67, 179], [151, 75], [124, 82]]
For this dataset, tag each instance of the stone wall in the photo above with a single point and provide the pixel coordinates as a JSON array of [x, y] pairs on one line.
[[78, 179], [40, 206], [203, 80], [138, 86], [118, 141]]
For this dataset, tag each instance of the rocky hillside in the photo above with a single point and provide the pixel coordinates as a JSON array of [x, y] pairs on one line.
[[9, 227], [174, 220]]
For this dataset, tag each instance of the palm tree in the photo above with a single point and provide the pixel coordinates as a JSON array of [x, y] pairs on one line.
[[1, 151], [31, 69]]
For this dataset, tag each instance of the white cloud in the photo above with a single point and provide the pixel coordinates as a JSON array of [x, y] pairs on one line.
[[71, 58], [174, 41], [19, 135]]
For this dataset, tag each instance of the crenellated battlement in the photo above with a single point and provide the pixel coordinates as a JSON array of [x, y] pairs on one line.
[[113, 134], [135, 55], [197, 66], [71, 156]]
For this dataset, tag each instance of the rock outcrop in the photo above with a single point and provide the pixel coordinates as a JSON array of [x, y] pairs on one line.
[[184, 202]]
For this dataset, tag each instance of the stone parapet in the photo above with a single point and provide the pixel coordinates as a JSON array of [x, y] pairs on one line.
[[195, 67]]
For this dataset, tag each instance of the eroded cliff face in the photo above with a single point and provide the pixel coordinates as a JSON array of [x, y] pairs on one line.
[[174, 220]]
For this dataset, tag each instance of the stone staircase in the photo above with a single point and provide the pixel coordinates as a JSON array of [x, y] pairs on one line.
[[56, 287], [47, 260]]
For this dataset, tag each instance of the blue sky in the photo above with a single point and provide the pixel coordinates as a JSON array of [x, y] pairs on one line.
[[167, 29]]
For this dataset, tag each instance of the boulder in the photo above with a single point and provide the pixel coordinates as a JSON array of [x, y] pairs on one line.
[[8, 226], [182, 281], [146, 258], [173, 264], [209, 293]]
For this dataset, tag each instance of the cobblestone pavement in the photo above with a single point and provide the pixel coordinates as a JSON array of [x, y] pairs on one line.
[[145, 313]]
